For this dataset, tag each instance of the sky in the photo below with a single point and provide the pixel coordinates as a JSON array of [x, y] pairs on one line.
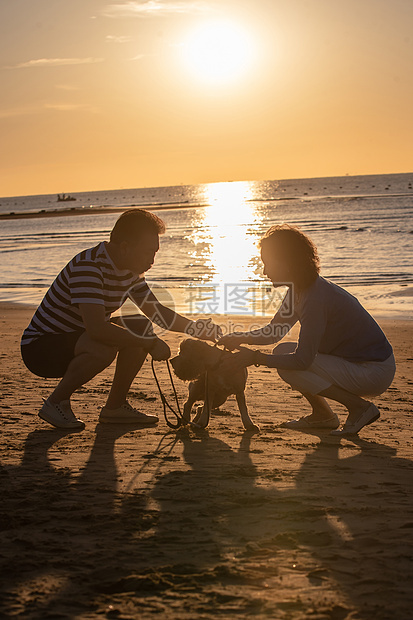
[[100, 94]]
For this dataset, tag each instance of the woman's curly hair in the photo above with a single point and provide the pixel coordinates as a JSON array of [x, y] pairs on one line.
[[298, 251]]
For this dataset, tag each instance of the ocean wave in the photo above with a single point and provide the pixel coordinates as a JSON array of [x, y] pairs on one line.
[[361, 225]]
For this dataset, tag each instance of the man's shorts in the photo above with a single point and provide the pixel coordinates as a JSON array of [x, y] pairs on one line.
[[49, 356]]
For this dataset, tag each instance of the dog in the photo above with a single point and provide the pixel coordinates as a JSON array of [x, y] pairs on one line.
[[196, 359]]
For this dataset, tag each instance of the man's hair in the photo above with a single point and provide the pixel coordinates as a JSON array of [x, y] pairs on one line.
[[298, 251], [134, 223]]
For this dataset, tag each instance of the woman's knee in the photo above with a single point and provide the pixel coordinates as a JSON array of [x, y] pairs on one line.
[[287, 375], [284, 348]]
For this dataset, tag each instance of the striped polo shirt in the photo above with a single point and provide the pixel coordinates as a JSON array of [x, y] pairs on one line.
[[90, 277]]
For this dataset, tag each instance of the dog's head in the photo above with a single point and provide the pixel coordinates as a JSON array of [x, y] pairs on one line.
[[193, 359]]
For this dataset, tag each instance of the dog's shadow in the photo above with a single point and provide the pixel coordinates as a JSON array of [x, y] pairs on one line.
[[198, 502]]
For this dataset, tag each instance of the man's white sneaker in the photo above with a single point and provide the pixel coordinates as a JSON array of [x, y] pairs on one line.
[[60, 415], [126, 414]]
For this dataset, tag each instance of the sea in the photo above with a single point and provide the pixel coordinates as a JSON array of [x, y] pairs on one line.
[[209, 258]]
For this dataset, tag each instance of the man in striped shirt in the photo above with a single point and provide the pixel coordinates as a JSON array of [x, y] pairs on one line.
[[72, 335]]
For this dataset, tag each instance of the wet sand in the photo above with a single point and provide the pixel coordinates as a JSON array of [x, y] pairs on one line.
[[116, 522]]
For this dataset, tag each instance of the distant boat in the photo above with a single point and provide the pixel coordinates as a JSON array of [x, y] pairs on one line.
[[64, 198]]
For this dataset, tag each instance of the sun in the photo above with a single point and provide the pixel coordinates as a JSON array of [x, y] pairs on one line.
[[218, 52]]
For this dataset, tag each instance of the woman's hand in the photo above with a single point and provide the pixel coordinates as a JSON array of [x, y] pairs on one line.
[[232, 341], [242, 359]]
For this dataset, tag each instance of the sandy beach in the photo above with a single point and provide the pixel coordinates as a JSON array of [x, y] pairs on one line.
[[124, 523]]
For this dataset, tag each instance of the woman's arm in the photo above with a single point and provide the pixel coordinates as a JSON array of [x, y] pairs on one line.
[[269, 334], [279, 326], [313, 322]]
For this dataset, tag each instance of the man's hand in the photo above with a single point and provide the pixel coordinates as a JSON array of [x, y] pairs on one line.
[[204, 329], [232, 341], [160, 351]]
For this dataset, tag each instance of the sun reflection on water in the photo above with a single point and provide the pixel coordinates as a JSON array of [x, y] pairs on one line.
[[225, 237], [227, 231]]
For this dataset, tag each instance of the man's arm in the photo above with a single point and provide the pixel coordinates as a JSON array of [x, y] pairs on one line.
[[162, 315], [172, 321]]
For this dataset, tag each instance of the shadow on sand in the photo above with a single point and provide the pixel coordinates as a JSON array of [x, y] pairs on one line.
[[222, 530]]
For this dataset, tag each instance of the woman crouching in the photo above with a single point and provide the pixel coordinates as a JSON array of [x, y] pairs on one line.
[[341, 354]]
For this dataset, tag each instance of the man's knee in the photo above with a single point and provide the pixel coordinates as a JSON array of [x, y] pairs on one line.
[[136, 324], [103, 352]]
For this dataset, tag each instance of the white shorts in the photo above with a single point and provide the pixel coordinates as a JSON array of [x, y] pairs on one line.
[[363, 379]]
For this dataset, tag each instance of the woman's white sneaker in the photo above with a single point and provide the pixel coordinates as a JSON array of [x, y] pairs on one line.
[[60, 415], [367, 417], [308, 423]]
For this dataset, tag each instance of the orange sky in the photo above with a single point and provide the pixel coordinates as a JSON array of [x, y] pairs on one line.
[[99, 95]]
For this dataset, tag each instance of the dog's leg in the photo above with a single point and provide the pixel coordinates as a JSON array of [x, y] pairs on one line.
[[246, 420], [197, 415], [201, 419], [192, 397]]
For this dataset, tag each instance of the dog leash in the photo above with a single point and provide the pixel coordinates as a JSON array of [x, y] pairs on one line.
[[165, 403], [146, 459]]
